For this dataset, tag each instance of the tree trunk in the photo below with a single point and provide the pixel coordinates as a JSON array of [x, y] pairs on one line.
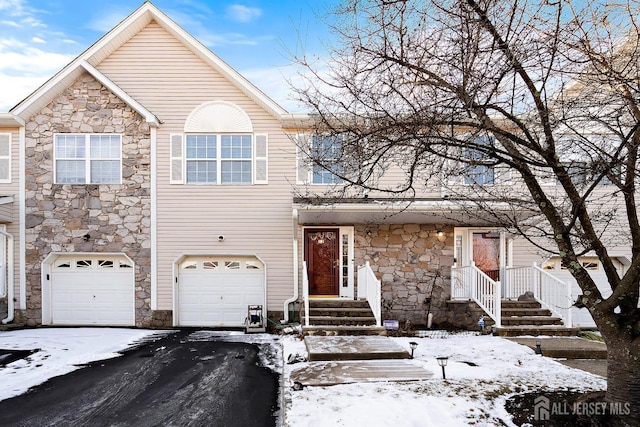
[[623, 379]]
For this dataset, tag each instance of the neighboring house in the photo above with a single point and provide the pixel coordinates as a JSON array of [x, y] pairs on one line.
[[149, 184]]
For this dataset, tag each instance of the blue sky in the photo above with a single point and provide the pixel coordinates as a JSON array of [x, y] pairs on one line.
[[256, 37]]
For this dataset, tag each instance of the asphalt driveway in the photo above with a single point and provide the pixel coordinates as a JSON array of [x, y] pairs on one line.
[[187, 378]]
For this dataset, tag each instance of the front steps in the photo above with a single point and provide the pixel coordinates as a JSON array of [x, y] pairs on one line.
[[529, 318], [341, 317]]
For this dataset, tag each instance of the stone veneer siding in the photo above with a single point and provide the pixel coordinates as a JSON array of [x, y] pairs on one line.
[[413, 264], [88, 218]]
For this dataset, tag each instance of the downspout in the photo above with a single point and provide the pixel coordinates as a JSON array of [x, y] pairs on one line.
[[10, 284], [294, 298]]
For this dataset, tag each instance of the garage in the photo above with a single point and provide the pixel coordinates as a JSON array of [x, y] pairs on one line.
[[215, 291], [88, 289]]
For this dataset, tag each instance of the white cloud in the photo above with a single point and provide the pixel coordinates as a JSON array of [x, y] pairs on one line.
[[10, 24], [241, 13], [14, 7], [23, 68], [37, 40]]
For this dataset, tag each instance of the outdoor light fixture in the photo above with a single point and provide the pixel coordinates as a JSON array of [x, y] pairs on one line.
[[539, 347], [413, 346], [442, 361], [439, 233]]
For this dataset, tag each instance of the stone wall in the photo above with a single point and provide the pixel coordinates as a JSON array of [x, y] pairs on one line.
[[414, 265], [88, 218]]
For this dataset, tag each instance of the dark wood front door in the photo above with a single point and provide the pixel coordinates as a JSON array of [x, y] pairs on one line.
[[321, 252]]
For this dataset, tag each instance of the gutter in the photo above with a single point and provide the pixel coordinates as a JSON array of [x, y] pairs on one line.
[[10, 284], [294, 298]]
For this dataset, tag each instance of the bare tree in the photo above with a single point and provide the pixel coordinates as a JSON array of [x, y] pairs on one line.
[[545, 93]]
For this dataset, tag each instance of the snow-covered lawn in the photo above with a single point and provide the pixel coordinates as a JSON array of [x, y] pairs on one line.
[[471, 395]]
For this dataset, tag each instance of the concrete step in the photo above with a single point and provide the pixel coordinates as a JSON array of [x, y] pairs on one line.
[[342, 330], [510, 312], [337, 303], [531, 321], [567, 348], [353, 348], [535, 331], [510, 304], [343, 320], [339, 311], [358, 371]]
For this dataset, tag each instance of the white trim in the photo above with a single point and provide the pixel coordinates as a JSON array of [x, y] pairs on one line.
[[22, 221], [154, 220], [124, 96], [349, 291], [88, 159], [218, 117]]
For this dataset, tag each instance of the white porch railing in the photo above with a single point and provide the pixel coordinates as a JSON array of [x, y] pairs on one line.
[[551, 292], [373, 290], [305, 292], [470, 283]]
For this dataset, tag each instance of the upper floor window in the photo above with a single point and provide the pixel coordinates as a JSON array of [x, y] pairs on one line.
[[327, 150], [478, 169], [88, 159], [219, 159]]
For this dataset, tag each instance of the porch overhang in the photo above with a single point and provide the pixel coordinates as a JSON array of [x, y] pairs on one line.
[[392, 211], [6, 209]]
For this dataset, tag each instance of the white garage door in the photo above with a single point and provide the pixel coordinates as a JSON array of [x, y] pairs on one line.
[[92, 290], [215, 291]]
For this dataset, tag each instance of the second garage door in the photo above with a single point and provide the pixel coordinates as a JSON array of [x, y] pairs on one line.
[[215, 291]]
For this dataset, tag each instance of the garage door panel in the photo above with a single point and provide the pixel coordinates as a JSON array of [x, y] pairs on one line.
[[219, 296], [92, 290]]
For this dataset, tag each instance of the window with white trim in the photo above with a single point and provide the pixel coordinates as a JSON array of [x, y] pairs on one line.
[[88, 158], [478, 170], [322, 162], [5, 157], [219, 159]]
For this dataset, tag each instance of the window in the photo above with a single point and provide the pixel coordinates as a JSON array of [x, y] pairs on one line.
[[219, 159], [477, 169], [328, 151], [87, 159]]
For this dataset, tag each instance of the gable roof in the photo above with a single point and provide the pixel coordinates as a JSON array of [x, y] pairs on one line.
[[115, 38]]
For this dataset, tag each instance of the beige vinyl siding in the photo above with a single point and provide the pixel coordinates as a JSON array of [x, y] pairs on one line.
[[13, 189], [170, 81]]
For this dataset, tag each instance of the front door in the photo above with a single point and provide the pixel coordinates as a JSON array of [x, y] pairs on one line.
[[486, 253], [322, 254]]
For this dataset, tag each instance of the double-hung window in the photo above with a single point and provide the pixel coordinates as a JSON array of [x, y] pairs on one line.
[[327, 154], [88, 159], [219, 159], [478, 170]]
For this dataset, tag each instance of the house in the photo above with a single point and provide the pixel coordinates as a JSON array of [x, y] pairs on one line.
[[149, 184]]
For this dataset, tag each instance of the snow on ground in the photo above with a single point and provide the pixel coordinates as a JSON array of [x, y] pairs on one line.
[[60, 351], [471, 395]]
